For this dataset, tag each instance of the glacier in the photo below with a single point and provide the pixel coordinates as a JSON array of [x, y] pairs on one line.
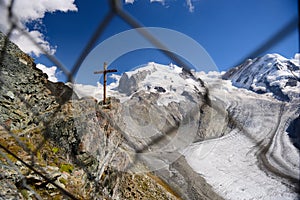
[[256, 161]]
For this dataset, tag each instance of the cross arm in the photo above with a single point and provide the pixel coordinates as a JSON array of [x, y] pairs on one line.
[[111, 70], [106, 71], [99, 72]]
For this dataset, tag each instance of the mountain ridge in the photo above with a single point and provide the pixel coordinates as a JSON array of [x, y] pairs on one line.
[[271, 73]]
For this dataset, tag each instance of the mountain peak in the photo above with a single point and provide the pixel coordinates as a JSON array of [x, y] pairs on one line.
[[272, 74], [169, 81], [274, 56]]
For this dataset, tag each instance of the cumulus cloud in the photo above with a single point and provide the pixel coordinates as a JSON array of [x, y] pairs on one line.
[[50, 71], [28, 11], [188, 2]]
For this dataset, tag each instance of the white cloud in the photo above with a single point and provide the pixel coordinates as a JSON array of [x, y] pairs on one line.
[[162, 1], [50, 71], [188, 2], [28, 47], [190, 5], [296, 59], [129, 1], [27, 11]]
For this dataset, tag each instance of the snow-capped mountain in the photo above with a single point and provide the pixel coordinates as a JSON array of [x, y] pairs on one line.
[[271, 74], [168, 81], [227, 155], [237, 140]]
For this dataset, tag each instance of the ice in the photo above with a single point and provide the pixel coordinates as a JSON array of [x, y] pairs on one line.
[[232, 164], [258, 88]]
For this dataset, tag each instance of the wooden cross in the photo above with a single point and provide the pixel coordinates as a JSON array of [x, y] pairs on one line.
[[104, 72]]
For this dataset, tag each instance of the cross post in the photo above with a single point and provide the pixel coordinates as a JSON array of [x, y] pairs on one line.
[[104, 72]]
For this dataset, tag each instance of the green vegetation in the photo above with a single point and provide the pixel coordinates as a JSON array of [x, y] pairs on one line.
[[48, 156], [24, 193], [63, 181], [66, 168], [55, 149]]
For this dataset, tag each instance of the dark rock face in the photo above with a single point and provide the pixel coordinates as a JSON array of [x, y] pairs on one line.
[[292, 82], [160, 89], [26, 88], [294, 131], [61, 92], [22, 89]]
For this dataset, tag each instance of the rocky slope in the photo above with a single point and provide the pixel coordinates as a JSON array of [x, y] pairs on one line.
[[56, 148], [29, 104]]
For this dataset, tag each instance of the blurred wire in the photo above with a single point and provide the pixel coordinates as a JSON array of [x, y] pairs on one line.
[[275, 39]]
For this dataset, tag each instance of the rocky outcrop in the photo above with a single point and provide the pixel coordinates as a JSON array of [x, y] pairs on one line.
[[29, 103], [294, 131]]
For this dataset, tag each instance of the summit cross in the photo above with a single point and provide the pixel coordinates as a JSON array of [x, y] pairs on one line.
[[104, 72]]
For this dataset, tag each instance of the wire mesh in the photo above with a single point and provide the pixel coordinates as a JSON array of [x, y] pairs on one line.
[[116, 9]]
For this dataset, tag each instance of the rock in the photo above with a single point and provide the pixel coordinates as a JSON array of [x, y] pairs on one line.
[[294, 131], [8, 191], [10, 94], [8, 180], [129, 84], [159, 89]]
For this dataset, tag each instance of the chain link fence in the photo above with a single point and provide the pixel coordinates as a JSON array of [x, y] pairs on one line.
[[8, 136]]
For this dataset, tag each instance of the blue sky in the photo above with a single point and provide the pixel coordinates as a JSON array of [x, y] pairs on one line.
[[228, 29]]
